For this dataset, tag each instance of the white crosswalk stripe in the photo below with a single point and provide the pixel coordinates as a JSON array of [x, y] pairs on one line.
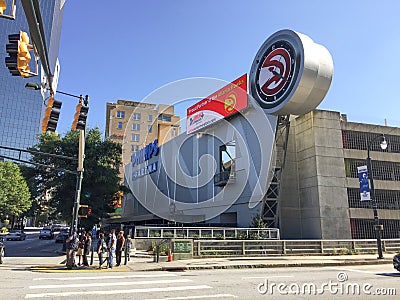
[[100, 277], [164, 285]]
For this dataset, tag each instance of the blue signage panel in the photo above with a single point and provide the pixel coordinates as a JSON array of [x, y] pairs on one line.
[[142, 156], [145, 153], [365, 192]]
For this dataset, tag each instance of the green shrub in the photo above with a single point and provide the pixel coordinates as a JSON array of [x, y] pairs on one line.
[[344, 251], [4, 230], [168, 234]]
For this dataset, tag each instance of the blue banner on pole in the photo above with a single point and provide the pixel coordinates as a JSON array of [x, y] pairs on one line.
[[365, 192]]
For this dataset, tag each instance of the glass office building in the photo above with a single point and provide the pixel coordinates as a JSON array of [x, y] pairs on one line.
[[21, 110]]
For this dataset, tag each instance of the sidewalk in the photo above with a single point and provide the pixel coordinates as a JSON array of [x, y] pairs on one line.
[[143, 263]]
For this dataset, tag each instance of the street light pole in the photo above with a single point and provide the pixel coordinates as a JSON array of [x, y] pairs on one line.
[[81, 156], [79, 178], [377, 226]]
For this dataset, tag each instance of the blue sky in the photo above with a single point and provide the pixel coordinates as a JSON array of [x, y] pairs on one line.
[[126, 49]]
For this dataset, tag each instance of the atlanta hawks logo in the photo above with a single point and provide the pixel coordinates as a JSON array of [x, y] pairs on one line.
[[274, 72]]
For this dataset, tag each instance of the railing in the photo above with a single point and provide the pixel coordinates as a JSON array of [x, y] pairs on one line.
[[215, 248], [206, 232]]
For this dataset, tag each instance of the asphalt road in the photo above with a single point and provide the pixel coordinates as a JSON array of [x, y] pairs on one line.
[[355, 282], [32, 247]]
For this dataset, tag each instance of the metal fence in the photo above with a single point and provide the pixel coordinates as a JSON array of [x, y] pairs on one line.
[[206, 232], [215, 248]]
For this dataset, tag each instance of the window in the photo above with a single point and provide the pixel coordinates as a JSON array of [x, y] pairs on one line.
[[150, 118], [164, 118], [136, 116], [150, 128], [135, 148], [358, 140], [135, 126], [135, 137], [174, 132], [119, 125], [227, 156], [120, 114]]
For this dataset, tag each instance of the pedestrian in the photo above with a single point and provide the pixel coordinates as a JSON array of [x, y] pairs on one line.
[[94, 231], [129, 244], [71, 248], [119, 247], [112, 244], [86, 249], [102, 250], [82, 239]]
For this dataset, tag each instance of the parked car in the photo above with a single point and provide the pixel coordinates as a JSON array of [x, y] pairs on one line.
[[62, 236], [56, 227], [396, 262], [16, 234], [46, 233]]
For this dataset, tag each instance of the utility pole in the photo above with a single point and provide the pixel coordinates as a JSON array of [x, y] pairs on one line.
[[79, 178]]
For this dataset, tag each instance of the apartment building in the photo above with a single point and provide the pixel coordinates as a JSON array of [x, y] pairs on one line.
[[136, 124]]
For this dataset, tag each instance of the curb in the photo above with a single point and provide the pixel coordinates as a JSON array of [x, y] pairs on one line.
[[60, 268], [260, 265]]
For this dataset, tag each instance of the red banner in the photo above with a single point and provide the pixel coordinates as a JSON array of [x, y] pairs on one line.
[[225, 102]]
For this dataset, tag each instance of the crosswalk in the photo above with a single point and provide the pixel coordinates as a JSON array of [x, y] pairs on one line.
[[154, 286]]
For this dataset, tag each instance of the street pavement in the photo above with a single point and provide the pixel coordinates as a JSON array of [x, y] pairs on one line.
[[143, 262]]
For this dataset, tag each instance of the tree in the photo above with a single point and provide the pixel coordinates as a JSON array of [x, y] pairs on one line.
[[258, 222], [14, 192], [100, 177]]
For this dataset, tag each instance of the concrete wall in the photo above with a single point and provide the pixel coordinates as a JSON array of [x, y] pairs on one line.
[[317, 207]]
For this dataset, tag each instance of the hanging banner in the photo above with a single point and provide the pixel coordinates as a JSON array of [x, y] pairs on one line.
[[365, 193]]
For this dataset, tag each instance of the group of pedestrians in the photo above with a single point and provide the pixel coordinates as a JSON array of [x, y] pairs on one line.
[[112, 246], [107, 248], [78, 245]]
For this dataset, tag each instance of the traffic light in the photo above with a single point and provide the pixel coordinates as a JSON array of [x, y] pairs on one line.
[[19, 57], [7, 10], [83, 211], [3, 6], [89, 211], [81, 113], [51, 115], [12, 51]]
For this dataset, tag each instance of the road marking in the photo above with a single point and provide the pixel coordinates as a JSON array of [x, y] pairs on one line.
[[107, 277], [263, 277], [350, 270], [132, 291], [197, 297], [97, 284]]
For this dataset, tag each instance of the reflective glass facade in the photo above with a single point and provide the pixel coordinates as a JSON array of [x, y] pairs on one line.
[[21, 110]]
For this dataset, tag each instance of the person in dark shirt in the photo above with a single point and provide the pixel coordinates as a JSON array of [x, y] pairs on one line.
[[120, 247], [102, 250], [86, 249], [71, 247]]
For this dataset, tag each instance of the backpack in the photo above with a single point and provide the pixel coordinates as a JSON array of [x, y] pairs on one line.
[[101, 246]]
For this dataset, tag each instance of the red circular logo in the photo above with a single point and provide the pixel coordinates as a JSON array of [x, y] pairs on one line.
[[274, 71]]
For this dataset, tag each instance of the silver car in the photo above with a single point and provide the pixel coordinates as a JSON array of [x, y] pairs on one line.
[[46, 233], [16, 234]]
